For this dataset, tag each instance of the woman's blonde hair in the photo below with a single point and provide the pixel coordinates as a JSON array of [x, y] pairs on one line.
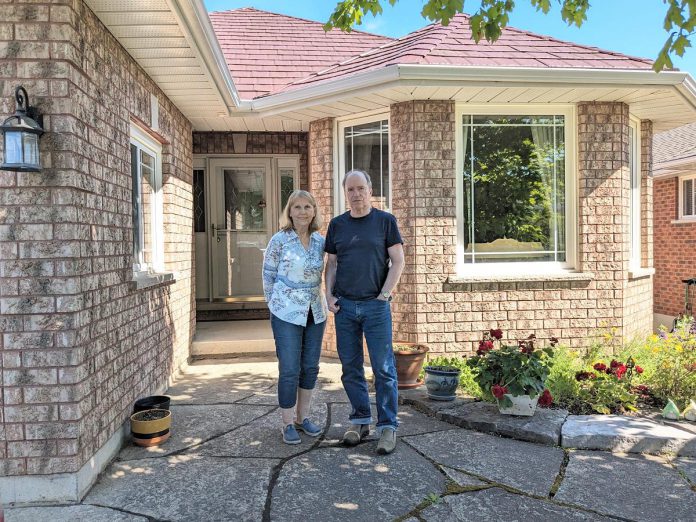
[[285, 220]]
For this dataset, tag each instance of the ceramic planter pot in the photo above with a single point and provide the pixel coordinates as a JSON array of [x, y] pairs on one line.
[[409, 359], [150, 427], [153, 402], [442, 382], [521, 405]]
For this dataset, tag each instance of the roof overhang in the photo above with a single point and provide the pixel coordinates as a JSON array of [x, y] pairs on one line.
[[174, 42], [677, 167]]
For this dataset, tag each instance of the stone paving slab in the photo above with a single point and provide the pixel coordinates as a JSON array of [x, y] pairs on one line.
[[625, 434], [411, 422], [687, 465], [187, 487], [69, 514], [544, 427], [418, 398], [497, 504], [216, 389], [526, 466], [462, 479], [324, 392], [262, 438], [339, 484], [641, 487], [192, 425]]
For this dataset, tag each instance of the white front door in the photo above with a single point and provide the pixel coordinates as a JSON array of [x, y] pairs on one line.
[[247, 196]]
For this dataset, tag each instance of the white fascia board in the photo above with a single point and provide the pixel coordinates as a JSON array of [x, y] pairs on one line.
[[676, 167], [194, 21], [443, 74]]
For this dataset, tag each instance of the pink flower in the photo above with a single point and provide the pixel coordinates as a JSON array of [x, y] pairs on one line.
[[639, 369], [620, 371], [498, 391]]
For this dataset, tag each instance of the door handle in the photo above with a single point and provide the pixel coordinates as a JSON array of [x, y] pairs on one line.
[[214, 228]]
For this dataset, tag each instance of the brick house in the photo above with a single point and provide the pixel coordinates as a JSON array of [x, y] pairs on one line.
[[520, 172], [674, 219]]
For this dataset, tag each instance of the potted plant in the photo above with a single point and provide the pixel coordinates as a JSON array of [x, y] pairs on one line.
[[150, 427], [442, 382], [513, 376], [409, 359]]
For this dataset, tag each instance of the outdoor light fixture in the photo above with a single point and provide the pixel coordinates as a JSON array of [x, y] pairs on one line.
[[21, 136]]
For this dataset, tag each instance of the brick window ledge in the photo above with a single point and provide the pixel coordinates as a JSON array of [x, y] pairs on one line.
[[147, 279], [684, 221], [514, 278], [639, 273]]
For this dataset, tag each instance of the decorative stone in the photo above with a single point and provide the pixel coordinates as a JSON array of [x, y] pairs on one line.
[[689, 412], [671, 411]]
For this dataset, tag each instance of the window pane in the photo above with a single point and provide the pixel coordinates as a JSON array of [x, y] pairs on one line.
[[514, 190], [147, 194], [366, 148], [199, 200], [137, 207], [287, 185], [688, 190]]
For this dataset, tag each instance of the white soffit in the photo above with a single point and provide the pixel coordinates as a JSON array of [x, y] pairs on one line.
[[173, 42]]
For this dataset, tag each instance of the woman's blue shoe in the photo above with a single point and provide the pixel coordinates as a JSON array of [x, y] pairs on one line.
[[290, 435], [308, 427]]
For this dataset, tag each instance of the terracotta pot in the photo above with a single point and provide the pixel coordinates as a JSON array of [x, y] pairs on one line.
[[150, 427], [522, 405], [409, 363]]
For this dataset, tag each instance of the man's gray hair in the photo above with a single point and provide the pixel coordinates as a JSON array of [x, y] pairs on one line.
[[362, 173]]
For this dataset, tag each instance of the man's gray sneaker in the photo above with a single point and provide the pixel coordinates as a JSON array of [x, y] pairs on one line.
[[355, 434], [387, 442]]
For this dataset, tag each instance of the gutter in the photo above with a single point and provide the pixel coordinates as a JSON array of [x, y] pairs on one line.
[[447, 75], [193, 19]]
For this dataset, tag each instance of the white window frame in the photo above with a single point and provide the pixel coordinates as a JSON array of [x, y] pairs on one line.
[[512, 269], [635, 214], [145, 142], [339, 156], [680, 192]]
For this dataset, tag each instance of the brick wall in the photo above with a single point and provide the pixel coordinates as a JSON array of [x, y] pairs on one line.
[[675, 249], [256, 143], [79, 343]]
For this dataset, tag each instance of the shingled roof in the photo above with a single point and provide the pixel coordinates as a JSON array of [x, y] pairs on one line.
[[266, 51], [452, 45], [676, 144]]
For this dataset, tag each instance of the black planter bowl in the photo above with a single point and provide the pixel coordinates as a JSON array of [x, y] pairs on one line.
[[153, 402]]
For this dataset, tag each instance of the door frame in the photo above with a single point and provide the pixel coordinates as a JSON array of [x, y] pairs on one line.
[[211, 163]]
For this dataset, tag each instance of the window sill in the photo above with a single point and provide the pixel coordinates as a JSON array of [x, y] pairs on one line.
[[684, 221], [147, 279], [513, 278], [640, 273]]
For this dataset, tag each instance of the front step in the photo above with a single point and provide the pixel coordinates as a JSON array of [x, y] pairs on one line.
[[232, 338]]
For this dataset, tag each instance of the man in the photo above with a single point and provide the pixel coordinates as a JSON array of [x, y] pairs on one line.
[[365, 260]]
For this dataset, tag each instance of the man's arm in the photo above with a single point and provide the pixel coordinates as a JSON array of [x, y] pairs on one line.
[[329, 280], [396, 255]]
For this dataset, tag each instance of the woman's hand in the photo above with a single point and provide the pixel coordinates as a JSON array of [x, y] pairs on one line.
[[332, 302]]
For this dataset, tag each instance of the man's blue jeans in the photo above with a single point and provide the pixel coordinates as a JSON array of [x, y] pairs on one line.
[[298, 349], [373, 319]]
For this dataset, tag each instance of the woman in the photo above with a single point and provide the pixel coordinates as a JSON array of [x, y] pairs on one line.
[[292, 269]]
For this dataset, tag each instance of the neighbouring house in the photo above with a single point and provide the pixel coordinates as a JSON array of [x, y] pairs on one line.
[[520, 172], [674, 220]]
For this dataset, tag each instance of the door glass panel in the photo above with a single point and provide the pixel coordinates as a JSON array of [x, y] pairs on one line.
[[241, 243], [287, 185]]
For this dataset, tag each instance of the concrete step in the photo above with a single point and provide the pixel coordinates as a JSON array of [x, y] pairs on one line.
[[223, 338]]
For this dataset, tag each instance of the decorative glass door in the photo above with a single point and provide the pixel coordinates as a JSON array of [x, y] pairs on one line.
[[248, 195]]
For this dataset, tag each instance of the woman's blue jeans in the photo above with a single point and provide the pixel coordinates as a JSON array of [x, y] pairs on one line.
[[298, 349], [373, 319]]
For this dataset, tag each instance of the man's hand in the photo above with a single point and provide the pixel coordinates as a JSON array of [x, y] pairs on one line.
[[331, 300]]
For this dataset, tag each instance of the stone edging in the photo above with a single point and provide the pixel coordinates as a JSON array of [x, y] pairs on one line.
[[556, 427]]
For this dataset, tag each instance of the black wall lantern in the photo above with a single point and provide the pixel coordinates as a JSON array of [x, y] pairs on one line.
[[21, 136]]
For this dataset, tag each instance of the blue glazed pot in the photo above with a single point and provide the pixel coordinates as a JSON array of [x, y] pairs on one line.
[[442, 382]]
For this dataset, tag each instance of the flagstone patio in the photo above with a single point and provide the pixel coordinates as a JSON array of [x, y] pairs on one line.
[[225, 461]]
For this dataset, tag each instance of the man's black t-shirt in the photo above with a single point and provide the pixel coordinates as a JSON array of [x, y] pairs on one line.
[[360, 245]]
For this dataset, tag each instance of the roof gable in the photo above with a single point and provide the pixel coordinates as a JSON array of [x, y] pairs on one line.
[[266, 51]]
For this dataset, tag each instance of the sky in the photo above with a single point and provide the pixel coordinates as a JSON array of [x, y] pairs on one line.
[[632, 27]]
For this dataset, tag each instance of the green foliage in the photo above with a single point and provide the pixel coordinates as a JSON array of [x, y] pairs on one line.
[[467, 383], [492, 16]]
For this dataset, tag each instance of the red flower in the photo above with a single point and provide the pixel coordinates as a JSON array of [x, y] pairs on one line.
[[498, 391], [484, 347], [600, 367], [642, 389], [583, 376], [497, 334], [620, 371], [614, 364], [639, 369], [546, 399]]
